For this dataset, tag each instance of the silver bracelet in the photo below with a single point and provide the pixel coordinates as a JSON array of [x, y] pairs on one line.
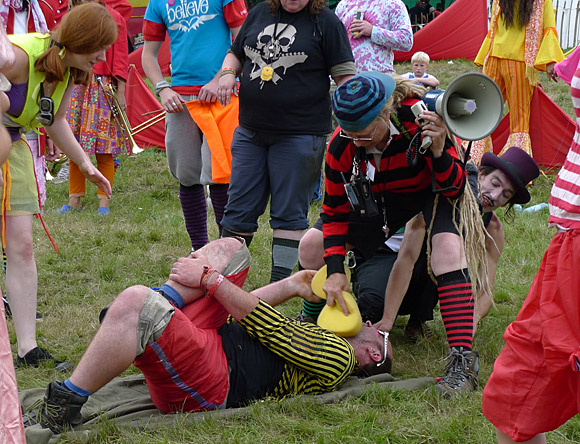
[[162, 84]]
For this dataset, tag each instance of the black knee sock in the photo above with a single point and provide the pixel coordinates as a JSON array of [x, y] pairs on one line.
[[247, 237]]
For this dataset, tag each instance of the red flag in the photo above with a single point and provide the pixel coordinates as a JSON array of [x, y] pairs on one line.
[[141, 100]]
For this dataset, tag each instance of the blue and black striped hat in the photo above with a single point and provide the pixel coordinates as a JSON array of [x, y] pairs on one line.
[[358, 101]]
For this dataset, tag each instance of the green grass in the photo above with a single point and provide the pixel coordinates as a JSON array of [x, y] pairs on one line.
[[144, 233]]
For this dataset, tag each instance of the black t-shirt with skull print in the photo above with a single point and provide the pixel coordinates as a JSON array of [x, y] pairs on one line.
[[286, 61]]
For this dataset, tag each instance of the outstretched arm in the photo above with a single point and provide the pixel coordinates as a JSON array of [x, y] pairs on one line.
[[402, 271], [297, 285]]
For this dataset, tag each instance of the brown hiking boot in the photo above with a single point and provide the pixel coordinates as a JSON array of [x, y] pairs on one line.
[[60, 409], [462, 368]]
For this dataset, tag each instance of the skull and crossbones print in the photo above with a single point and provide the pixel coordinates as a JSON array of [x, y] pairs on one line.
[[273, 50]]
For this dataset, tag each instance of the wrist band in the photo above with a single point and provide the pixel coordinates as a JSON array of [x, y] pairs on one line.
[[173, 296], [162, 84], [216, 285], [208, 272], [226, 71]]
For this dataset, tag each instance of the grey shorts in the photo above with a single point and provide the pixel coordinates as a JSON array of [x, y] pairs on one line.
[[188, 153], [154, 317]]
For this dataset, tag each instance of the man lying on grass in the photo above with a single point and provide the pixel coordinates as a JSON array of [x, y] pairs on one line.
[[194, 357]]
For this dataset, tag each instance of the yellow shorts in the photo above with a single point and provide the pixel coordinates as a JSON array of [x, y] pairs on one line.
[[20, 192]]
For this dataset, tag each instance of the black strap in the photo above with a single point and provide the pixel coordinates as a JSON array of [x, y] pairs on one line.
[[400, 127]]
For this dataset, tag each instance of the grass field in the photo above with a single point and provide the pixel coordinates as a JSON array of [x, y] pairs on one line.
[[139, 240]]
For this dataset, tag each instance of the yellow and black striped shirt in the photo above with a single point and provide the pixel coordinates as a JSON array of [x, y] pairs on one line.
[[316, 360]]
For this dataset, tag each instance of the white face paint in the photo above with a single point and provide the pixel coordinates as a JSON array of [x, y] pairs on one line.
[[495, 190]]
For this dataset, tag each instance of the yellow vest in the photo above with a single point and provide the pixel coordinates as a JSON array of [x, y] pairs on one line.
[[35, 44]]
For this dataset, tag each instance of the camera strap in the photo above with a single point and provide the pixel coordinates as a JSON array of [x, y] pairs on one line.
[[400, 127]]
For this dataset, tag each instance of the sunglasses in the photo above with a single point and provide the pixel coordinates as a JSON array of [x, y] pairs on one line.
[[358, 139], [386, 336]]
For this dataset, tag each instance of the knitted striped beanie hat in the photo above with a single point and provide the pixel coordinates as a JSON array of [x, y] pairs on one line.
[[358, 101]]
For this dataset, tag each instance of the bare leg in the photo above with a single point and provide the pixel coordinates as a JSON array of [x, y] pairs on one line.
[[447, 254], [502, 438], [114, 347], [21, 280], [311, 250]]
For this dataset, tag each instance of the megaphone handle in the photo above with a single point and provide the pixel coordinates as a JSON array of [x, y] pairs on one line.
[[425, 144]]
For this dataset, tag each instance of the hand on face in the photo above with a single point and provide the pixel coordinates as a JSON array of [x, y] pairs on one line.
[[187, 271]]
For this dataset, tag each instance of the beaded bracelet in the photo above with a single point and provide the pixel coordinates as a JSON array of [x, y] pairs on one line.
[[226, 71], [215, 286], [205, 276]]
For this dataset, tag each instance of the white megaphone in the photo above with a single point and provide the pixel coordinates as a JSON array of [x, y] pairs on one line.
[[471, 107]]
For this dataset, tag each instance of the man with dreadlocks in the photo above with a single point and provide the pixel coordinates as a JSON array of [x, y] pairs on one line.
[[521, 41], [368, 150]]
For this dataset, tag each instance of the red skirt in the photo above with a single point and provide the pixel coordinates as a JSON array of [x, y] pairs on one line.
[[535, 383]]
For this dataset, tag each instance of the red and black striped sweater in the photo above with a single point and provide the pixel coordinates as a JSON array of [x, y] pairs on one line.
[[393, 175]]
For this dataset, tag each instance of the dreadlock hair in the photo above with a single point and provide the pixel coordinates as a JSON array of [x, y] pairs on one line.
[[471, 231], [519, 18], [470, 228], [84, 29]]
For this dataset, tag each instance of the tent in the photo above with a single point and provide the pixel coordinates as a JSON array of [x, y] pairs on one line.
[[551, 131], [455, 34]]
